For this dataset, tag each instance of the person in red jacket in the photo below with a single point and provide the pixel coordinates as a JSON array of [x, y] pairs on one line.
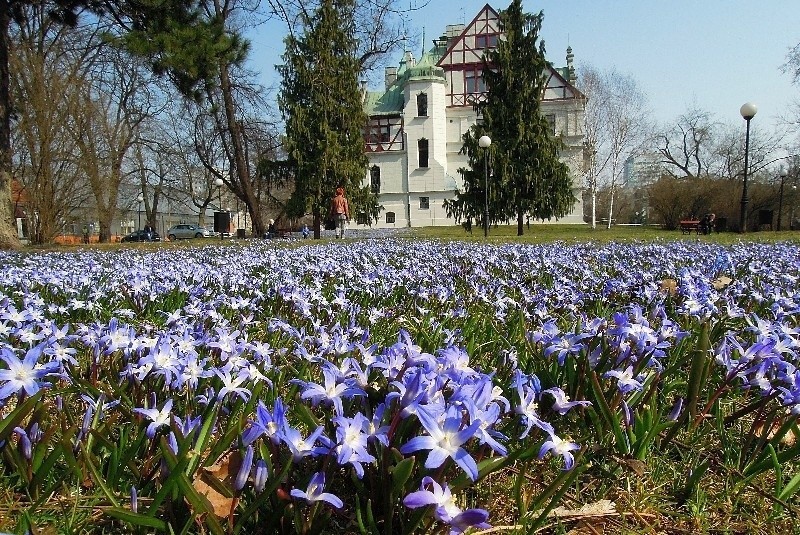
[[340, 212]]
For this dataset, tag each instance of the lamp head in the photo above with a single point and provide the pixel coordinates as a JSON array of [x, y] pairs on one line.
[[218, 182], [484, 142], [748, 110]]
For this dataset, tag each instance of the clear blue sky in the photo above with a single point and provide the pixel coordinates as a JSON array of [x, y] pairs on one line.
[[717, 54]]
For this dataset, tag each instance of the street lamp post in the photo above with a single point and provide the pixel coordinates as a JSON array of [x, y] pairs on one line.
[[748, 111], [218, 182], [485, 142], [140, 198], [783, 175]]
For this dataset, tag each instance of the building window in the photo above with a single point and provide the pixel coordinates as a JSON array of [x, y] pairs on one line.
[[422, 105], [375, 179], [473, 81], [485, 41], [424, 203], [422, 147], [390, 217], [551, 120]]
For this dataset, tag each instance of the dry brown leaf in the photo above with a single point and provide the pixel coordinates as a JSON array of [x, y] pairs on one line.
[[223, 472], [721, 282], [598, 508], [788, 439], [669, 286]]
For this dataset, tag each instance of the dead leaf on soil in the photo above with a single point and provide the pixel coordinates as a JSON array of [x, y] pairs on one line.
[[788, 439], [635, 465], [669, 286], [598, 508], [212, 480], [721, 282]]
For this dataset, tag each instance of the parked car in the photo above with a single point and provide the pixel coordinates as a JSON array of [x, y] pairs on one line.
[[140, 235], [185, 232]]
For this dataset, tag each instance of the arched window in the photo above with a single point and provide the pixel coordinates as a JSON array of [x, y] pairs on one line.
[[375, 179], [422, 105], [422, 147], [390, 217]]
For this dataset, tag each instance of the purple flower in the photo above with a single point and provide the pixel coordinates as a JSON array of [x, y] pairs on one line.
[[299, 446], [527, 409], [315, 492], [232, 385], [557, 446], [446, 510], [260, 477], [244, 469], [626, 381], [561, 402], [158, 418], [445, 441], [332, 392], [352, 442], [266, 423], [25, 374]]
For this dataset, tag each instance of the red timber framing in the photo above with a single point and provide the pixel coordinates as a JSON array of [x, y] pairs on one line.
[[384, 133]]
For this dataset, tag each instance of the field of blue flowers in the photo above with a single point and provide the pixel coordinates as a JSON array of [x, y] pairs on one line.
[[397, 386]]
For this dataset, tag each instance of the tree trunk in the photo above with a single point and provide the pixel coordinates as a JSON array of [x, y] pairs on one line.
[[8, 232], [520, 222], [317, 222], [611, 205], [594, 205], [245, 184], [104, 217]]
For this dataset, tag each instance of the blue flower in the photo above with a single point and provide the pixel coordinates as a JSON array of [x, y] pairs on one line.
[[626, 381], [266, 423], [561, 402], [445, 441], [158, 418], [557, 446], [315, 492], [352, 442], [25, 374], [332, 392], [446, 510]]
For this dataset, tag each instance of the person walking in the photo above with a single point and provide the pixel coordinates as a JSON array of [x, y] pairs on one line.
[[340, 212]]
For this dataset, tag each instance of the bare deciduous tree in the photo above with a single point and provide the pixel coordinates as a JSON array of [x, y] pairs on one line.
[[617, 126], [108, 124], [47, 66]]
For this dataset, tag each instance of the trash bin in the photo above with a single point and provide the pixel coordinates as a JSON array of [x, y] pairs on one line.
[[240, 233]]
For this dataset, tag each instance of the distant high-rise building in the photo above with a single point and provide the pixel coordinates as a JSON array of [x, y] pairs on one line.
[[642, 170]]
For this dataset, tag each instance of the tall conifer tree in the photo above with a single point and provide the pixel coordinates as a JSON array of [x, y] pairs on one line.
[[528, 178], [321, 102]]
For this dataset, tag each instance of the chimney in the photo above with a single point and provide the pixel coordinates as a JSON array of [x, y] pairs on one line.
[[390, 75]]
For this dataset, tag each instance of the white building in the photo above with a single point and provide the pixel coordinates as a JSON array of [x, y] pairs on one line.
[[417, 122]]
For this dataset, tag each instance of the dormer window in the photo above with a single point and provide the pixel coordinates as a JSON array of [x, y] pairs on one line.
[[422, 105]]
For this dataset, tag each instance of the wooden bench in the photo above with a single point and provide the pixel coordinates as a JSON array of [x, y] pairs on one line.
[[690, 225]]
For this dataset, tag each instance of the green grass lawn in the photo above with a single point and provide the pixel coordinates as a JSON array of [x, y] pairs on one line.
[[572, 233]]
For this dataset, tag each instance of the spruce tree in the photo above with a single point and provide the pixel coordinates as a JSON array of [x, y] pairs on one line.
[[528, 178], [321, 103]]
